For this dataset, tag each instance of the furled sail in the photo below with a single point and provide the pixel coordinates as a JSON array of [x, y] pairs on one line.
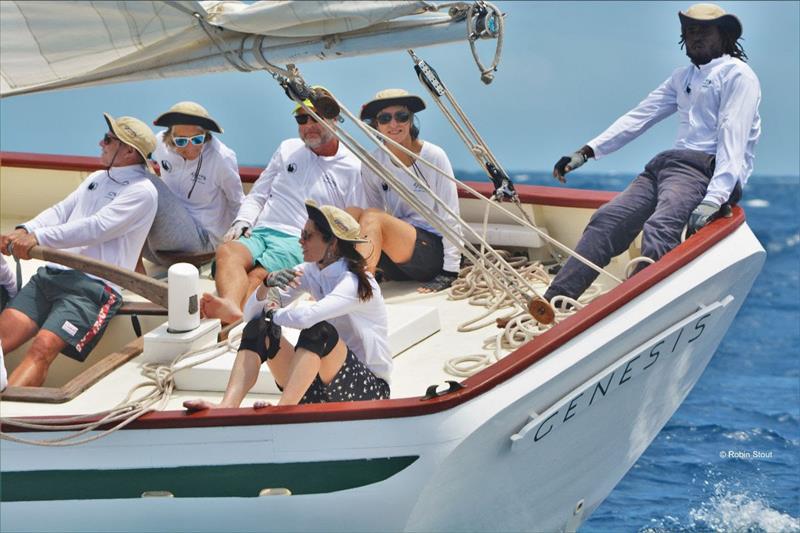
[[59, 44]]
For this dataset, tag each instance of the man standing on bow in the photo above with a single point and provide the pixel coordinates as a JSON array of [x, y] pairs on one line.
[[107, 217], [717, 99], [265, 235]]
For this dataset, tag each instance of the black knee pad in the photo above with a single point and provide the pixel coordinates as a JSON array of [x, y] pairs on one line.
[[319, 339], [262, 336]]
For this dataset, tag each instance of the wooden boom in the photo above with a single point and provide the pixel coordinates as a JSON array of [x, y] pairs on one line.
[[153, 290]]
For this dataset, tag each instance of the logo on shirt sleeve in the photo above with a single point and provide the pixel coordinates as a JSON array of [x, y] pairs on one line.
[[291, 168], [166, 166]]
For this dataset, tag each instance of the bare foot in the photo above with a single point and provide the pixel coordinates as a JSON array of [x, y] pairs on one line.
[[260, 404], [215, 307], [198, 405]]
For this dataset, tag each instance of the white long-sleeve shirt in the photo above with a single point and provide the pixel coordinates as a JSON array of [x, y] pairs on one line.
[[381, 196], [295, 174], [362, 326], [216, 195], [104, 218], [717, 105], [8, 279]]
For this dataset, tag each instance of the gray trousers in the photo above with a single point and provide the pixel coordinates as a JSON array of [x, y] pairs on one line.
[[658, 203], [174, 229]]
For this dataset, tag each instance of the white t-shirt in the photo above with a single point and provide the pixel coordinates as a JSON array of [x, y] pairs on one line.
[[362, 326], [381, 196], [717, 105], [296, 174], [214, 198], [105, 218]]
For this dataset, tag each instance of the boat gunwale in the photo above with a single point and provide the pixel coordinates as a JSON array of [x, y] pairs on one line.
[[501, 371]]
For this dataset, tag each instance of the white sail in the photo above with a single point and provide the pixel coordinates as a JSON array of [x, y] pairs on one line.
[[60, 44]]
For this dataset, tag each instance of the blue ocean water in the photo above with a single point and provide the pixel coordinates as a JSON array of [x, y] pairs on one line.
[[729, 459]]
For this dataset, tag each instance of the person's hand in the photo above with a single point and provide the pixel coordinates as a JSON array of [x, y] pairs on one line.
[[8, 238], [568, 163], [239, 228], [283, 278], [702, 215], [22, 245]]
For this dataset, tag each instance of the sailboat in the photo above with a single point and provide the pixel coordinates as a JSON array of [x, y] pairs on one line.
[[492, 425]]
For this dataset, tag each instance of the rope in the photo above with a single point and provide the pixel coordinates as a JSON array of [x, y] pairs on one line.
[[159, 379]]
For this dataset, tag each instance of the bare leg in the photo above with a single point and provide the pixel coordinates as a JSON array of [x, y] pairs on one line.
[[244, 375], [16, 328], [140, 266], [233, 263], [305, 367], [254, 279], [32, 370], [387, 234]]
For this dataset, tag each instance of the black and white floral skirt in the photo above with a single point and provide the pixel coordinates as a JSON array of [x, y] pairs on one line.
[[353, 382]]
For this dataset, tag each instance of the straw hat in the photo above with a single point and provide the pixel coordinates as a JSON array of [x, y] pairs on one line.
[[188, 113], [711, 14], [389, 97], [134, 133], [340, 222]]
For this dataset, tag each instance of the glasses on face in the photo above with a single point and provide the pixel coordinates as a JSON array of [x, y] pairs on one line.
[[180, 142], [108, 139], [401, 117], [307, 235], [303, 119]]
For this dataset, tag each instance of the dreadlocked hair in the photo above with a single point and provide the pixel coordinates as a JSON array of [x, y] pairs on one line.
[[355, 261], [730, 44]]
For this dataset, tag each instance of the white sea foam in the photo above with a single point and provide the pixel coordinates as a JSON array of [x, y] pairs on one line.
[[741, 436], [790, 242], [756, 202], [522, 177], [736, 511]]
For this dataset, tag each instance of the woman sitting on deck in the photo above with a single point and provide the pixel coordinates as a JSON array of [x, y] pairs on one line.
[[200, 190], [406, 246], [322, 367]]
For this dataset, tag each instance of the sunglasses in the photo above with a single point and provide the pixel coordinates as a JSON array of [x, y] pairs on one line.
[[303, 119], [180, 142], [401, 117], [108, 139], [307, 235]]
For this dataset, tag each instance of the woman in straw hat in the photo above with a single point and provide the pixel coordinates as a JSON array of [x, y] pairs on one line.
[[342, 353], [406, 246], [200, 190]]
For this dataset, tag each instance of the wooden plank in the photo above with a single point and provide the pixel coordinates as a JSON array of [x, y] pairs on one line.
[[153, 290]]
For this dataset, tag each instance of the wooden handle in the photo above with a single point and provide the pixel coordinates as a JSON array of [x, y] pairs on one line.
[[153, 290]]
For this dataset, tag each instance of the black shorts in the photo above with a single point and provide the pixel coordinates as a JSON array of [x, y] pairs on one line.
[[70, 304], [426, 262]]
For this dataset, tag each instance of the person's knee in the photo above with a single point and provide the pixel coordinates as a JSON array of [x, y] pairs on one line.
[[234, 254], [45, 347], [261, 336], [319, 339]]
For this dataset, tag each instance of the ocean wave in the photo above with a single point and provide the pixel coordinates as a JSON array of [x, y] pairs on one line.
[[789, 242], [739, 511], [756, 202]]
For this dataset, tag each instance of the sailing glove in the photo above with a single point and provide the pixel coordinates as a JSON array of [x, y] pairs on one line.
[[702, 215], [280, 278], [442, 281], [568, 163], [239, 228]]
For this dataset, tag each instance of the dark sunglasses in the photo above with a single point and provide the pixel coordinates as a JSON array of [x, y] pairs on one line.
[[401, 117], [303, 119], [307, 235], [108, 139], [180, 142]]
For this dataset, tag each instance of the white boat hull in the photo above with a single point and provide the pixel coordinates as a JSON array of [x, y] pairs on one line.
[[532, 453]]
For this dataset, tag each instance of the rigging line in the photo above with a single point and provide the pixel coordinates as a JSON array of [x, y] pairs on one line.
[[495, 205]]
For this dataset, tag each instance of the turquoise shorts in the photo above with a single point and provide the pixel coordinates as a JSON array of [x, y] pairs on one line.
[[273, 250]]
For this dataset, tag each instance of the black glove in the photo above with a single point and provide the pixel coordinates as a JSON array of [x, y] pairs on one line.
[[568, 163], [702, 215], [280, 278]]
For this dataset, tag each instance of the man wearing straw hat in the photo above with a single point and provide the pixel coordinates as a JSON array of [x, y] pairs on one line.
[[107, 217], [264, 236], [199, 192], [716, 98]]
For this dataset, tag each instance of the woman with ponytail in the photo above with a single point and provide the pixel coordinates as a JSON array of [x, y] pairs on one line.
[[342, 353]]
